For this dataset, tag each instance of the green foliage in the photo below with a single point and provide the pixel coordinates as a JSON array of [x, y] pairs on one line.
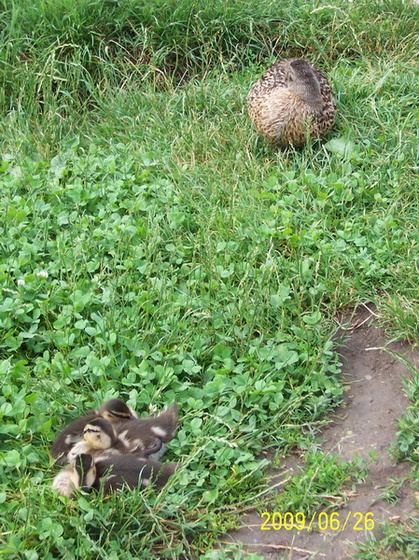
[[115, 283], [394, 489], [400, 542], [153, 248], [103, 282], [324, 482], [407, 445], [408, 434], [60, 53], [401, 313]]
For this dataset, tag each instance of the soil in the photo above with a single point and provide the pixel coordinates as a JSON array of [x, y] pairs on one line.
[[364, 425]]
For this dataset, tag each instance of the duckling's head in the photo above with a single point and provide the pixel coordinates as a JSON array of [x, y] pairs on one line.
[[99, 434], [116, 410], [83, 473], [304, 83]]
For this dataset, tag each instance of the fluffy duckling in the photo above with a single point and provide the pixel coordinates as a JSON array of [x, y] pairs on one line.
[[79, 475], [114, 410], [116, 471], [291, 103], [148, 436], [98, 439]]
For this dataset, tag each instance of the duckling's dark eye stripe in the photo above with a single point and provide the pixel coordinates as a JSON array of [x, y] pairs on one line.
[[119, 414], [91, 430]]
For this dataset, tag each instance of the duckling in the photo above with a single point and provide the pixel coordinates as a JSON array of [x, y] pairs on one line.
[[292, 102], [99, 438], [116, 471], [114, 410], [148, 436], [79, 475]]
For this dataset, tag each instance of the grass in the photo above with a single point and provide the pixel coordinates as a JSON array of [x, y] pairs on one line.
[[154, 248], [400, 541], [324, 484]]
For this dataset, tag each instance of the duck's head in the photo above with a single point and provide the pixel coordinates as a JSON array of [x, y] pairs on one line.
[[99, 434], [83, 474], [116, 410]]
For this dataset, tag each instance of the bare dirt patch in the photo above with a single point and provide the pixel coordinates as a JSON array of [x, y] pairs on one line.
[[364, 426]]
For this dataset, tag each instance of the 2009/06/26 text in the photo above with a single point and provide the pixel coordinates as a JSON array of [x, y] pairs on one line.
[[324, 521]]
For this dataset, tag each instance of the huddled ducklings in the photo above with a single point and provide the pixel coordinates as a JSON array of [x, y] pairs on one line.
[[291, 103], [114, 411], [111, 447], [98, 438], [146, 436], [111, 473]]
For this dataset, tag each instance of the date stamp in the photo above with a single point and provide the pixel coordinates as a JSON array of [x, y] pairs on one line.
[[323, 521]]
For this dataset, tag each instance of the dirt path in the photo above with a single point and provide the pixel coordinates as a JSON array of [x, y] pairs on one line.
[[364, 424]]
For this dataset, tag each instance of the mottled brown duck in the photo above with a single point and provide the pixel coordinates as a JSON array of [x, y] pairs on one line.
[[292, 103]]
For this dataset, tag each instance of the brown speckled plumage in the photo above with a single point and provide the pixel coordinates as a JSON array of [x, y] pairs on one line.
[[291, 103]]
